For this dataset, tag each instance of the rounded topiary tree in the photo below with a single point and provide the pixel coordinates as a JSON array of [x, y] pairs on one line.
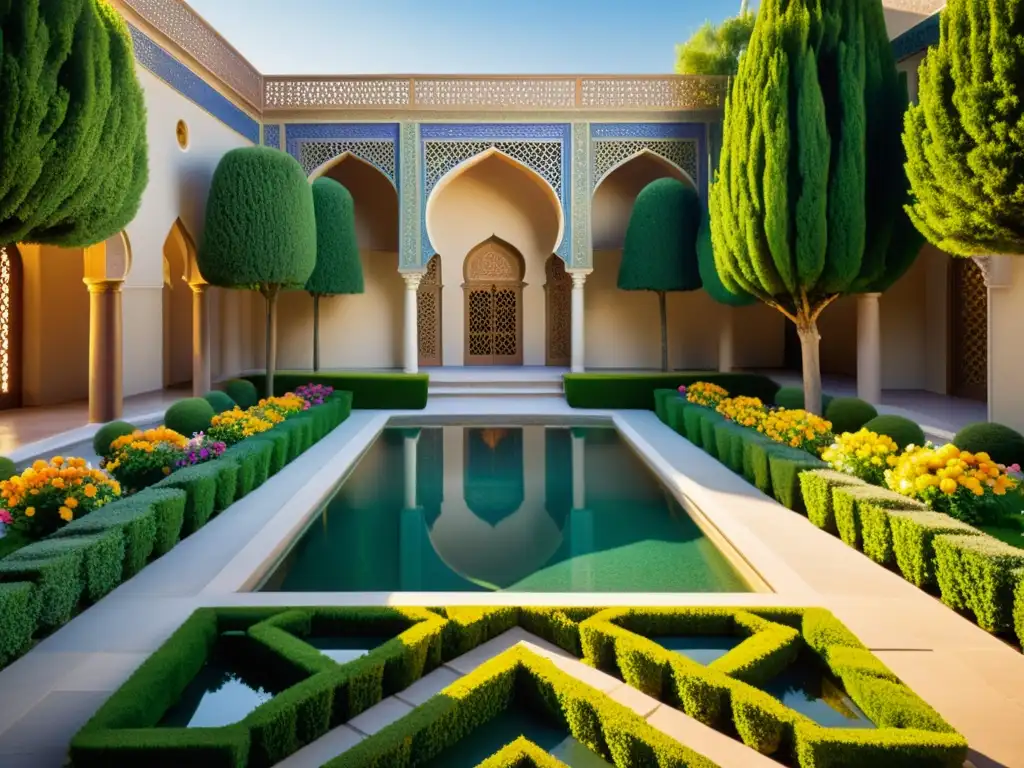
[[189, 416], [243, 392], [1003, 444], [219, 401], [901, 429], [804, 208], [72, 123], [8, 468], [260, 231], [108, 433], [965, 147], [849, 414], [338, 269], [660, 251], [792, 398]]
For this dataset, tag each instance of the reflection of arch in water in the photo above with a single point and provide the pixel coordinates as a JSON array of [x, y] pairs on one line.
[[493, 474]]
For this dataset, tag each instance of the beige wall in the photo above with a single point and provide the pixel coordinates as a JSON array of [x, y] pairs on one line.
[[1006, 363], [493, 196]]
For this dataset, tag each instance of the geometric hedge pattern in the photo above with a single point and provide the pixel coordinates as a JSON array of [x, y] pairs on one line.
[[318, 694]]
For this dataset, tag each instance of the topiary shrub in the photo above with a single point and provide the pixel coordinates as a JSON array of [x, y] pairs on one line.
[[219, 401], [1003, 444], [243, 392], [188, 416], [792, 398], [108, 433], [7, 468], [849, 414], [902, 430]]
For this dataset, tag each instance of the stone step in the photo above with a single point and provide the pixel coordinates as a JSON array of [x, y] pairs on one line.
[[496, 390]]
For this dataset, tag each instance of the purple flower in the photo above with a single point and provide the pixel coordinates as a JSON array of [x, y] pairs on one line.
[[204, 453]]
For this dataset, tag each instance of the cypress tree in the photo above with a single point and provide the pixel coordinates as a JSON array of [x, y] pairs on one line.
[[804, 207], [260, 230], [964, 138], [338, 269], [72, 123], [660, 251]]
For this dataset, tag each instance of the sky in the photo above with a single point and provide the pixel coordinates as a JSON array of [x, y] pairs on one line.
[[460, 36]]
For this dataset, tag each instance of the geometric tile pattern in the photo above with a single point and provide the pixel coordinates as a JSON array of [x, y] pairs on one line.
[[682, 144], [272, 136], [313, 144]]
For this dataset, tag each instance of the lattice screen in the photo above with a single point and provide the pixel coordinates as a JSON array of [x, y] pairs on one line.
[[608, 153], [558, 293], [544, 157], [970, 330], [428, 314], [378, 153]]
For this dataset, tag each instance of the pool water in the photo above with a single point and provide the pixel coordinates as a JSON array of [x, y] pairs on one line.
[[490, 737], [703, 649], [519, 509], [807, 687], [343, 648]]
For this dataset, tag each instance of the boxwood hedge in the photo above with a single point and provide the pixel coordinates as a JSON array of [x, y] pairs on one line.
[[636, 390]]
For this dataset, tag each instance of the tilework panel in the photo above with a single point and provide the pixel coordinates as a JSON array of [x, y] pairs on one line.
[[272, 136], [313, 144], [186, 82], [683, 144]]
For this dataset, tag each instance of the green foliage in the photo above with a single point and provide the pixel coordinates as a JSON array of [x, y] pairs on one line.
[[901, 429], [19, 610], [189, 416], [338, 269], [1018, 605], [635, 390], [260, 225], [693, 424], [108, 433], [169, 508], [756, 462], [137, 523], [675, 411], [708, 421], [226, 471], [785, 465], [659, 253], [965, 155], [816, 488], [72, 123], [243, 392], [715, 49], [729, 445], [849, 414], [253, 460], [1004, 445], [406, 391], [792, 399], [975, 573], [57, 577], [279, 443], [709, 274], [913, 537], [661, 398], [8, 468], [849, 502], [200, 483], [522, 753], [219, 401]]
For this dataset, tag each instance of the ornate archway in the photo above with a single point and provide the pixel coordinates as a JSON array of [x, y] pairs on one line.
[[428, 314], [10, 327], [494, 304], [558, 300]]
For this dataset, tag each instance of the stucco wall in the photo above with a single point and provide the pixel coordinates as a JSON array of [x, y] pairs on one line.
[[1006, 363]]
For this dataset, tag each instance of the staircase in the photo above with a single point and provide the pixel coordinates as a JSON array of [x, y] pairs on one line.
[[496, 381]]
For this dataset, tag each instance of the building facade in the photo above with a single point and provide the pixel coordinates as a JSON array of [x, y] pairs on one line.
[[491, 213]]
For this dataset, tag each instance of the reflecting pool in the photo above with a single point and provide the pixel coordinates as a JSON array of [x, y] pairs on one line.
[[518, 508]]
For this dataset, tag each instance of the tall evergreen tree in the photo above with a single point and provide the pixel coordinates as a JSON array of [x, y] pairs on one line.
[[715, 49], [260, 230], [660, 251], [72, 123], [338, 269], [804, 207], [965, 136]]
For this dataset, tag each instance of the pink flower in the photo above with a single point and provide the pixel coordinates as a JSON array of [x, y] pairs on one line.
[[1015, 468], [682, 389], [5, 517]]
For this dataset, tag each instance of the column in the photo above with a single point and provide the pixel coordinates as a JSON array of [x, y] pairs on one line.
[[105, 353], [578, 340], [410, 450], [200, 339], [869, 348], [410, 346], [997, 271], [579, 475], [725, 341], [231, 343]]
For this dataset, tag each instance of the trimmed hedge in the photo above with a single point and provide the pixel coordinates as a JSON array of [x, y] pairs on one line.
[[200, 483], [136, 521], [369, 390], [57, 577], [253, 460], [1018, 604], [708, 440], [850, 501], [20, 611], [636, 390], [785, 465], [729, 445], [522, 753], [975, 573], [693, 420], [661, 400], [816, 487], [674, 410], [913, 539]]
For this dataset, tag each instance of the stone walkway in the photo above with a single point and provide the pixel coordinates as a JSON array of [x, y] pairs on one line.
[[973, 679]]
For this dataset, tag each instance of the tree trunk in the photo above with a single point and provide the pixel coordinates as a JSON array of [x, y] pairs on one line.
[[664, 331], [316, 332], [807, 330], [270, 294]]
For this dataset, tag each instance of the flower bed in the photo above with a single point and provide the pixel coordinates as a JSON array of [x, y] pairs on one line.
[[322, 694], [95, 538]]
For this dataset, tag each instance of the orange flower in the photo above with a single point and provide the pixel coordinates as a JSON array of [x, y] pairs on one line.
[[89, 490]]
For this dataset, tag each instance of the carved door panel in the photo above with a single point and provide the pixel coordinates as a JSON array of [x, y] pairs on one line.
[[969, 331], [10, 327], [558, 296], [494, 305], [428, 314]]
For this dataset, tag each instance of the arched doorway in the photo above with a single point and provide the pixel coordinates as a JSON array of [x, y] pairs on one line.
[[558, 298], [428, 314], [177, 300], [10, 326], [494, 304], [969, 326]]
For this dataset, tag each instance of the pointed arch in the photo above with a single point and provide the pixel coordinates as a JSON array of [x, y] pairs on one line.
[[375, 198], [645, 154], [493, 291], [11, 328], [180, 269], [324, 168], [465, 170]]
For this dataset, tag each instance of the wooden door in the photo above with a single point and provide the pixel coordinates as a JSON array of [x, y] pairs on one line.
[[968, 331], [558, 297], [428, 314], [494, 305]]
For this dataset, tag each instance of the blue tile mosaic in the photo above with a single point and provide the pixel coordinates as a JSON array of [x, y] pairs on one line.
[[272, 136]]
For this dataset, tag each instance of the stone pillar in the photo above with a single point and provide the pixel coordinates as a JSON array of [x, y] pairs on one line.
[[725, 341], [997, 271], [106, 365], [579, 475], [201, 383], [578, 338], [410, 344], [869, 348], [411, 445]]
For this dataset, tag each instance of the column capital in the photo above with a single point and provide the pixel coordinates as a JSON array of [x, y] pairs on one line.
[[198, 287], [579, 276], [412, 280], [997, 270], [103, 286], [874, 296]]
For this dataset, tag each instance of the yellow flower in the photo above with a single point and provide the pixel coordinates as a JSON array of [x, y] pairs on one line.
[[947, 485], [89, 490], [71, 502], [30, 512]]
